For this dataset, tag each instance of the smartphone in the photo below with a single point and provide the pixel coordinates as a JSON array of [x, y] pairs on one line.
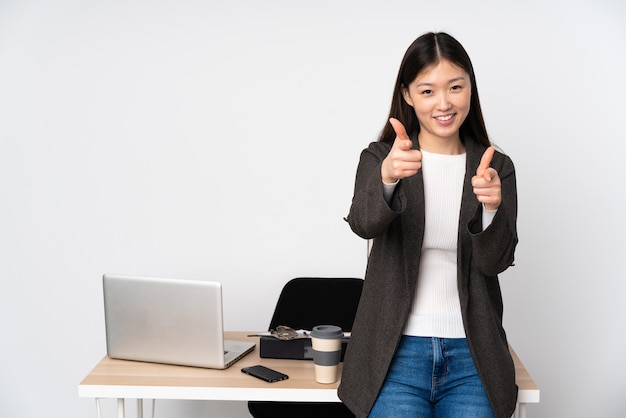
[[265, 373]]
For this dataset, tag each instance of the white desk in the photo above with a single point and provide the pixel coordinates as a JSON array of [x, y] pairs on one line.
[[136, 380]]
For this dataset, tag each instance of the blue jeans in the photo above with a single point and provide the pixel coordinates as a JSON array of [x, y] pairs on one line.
[[432, 377]]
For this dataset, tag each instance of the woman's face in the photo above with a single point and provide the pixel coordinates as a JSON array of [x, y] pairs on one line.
[[440, 96]]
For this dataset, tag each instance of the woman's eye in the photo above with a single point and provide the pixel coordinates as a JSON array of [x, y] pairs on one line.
[[456, 88], [427, 92]]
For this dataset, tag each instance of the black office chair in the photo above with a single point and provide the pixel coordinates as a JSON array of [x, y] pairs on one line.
[[304, 303]]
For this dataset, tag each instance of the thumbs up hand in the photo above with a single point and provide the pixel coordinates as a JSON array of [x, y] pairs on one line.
[[402, 161], [486, 182]]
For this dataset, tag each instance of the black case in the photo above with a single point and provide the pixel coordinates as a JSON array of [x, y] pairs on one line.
[[299, 349]]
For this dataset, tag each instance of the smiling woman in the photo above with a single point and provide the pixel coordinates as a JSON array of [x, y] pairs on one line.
[[440, 96], [441, 208]]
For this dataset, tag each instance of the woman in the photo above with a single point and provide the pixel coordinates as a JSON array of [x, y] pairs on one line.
[[440, 205]]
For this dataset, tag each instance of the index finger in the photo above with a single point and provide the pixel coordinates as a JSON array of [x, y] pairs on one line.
[[399, 128], [485, 160]]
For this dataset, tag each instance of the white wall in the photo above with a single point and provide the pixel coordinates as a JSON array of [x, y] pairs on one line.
[[200, 139]]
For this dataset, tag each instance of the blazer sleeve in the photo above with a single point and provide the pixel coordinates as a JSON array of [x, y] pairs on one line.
[[493, 249], [370, 214]]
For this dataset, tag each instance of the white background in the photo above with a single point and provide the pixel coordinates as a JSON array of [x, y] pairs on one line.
[[200, 139]]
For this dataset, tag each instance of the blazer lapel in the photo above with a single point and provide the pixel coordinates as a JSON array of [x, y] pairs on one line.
[[413, 222], [469, 208]]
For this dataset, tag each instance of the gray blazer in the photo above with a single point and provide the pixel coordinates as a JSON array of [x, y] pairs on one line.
[[397, 230]]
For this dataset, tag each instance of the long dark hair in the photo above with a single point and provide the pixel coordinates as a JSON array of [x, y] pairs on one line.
[[425, 51]]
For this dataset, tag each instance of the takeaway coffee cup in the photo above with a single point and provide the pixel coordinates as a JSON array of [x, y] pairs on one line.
[[326, 344]]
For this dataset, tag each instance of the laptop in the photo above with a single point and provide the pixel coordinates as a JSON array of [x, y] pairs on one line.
[[169, 321]]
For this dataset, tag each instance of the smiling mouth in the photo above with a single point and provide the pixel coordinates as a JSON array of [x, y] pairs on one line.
[[444, 118]]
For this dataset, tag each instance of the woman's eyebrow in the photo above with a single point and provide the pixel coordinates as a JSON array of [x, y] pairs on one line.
[[453, 80]]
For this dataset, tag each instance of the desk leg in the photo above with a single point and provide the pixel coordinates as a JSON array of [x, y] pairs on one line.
[[516, 412], [120, 407], [522, 410], [139, 408]]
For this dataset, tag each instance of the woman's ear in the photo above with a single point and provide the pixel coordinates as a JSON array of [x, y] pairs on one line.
[[406, 96]]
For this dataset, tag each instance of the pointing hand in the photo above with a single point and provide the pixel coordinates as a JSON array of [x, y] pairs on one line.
[[402, 161], [486, 182]]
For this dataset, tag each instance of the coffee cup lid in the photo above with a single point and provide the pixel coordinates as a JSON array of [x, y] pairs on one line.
[[327, 332]]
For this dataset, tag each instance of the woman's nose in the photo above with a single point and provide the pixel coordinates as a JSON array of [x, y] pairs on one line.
[[443, 101]]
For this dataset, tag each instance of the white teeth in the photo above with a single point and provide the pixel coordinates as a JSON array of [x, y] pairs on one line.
[[444, 118]]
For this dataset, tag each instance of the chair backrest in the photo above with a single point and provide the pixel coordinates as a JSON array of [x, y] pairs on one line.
[[306, 302]]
